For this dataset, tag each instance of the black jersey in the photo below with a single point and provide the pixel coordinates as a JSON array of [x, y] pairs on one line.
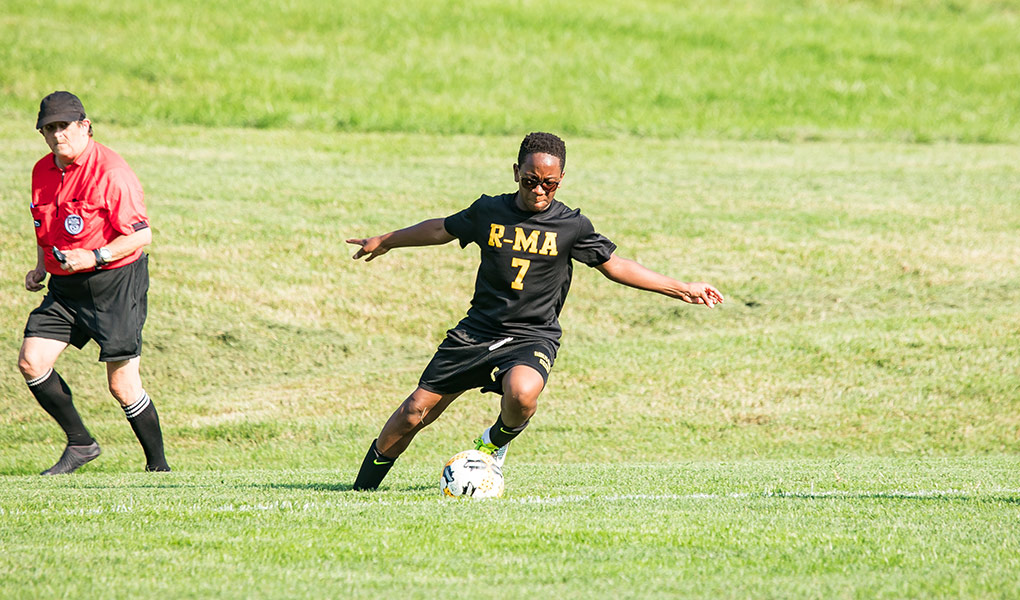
[[526, 267]]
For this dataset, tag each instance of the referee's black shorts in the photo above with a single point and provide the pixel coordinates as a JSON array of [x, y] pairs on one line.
[[463, 362], [106, 306]]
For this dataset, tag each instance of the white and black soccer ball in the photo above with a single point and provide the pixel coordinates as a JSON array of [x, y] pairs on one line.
[[471, 474]]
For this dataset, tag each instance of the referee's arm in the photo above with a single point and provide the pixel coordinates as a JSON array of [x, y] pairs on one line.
[[126, 245], [83, 259]]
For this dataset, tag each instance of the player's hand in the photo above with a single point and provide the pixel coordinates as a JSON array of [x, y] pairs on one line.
[[371, 247], [34, 279], [78, 260], [701, 293]]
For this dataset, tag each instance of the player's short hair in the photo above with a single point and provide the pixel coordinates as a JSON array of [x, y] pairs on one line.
[[547, 143]]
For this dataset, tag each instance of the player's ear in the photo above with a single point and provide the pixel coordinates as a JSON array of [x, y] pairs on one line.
[[517, 173]]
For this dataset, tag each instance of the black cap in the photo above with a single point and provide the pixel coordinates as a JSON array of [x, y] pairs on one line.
[[59, 106]]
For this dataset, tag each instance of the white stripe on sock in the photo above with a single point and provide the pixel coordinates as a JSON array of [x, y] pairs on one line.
[[140, 405], [40, 379]]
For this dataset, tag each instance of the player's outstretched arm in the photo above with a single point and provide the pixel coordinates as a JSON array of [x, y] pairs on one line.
[[632, 273], [426, 233]]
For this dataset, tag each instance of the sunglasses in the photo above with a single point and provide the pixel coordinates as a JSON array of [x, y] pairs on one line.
[[530, 181]]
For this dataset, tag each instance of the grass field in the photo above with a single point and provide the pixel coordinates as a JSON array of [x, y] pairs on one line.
[[917, 70], [846, 425], [778, 529]]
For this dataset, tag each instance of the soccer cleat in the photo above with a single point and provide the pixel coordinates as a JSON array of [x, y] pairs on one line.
[[73, 458], [497, 454]]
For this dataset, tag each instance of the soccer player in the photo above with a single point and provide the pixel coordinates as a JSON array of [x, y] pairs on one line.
[[507, 342], [91, 228]]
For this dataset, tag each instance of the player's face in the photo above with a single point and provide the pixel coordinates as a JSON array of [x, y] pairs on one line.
[[537, 178], [66, 140]]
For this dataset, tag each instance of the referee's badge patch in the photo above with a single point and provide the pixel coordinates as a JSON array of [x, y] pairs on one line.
[[74, 224]]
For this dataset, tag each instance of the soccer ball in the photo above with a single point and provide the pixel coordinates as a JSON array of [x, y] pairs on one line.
[[473, 474]]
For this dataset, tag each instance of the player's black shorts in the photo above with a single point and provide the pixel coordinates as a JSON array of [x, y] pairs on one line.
[[106, 306], [464, 362]]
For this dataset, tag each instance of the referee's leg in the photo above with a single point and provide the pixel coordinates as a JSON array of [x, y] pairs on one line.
[[125, 381], [35, 361]]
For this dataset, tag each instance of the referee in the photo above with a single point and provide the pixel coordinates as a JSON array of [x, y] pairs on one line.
[[90, 225], [507, 343]]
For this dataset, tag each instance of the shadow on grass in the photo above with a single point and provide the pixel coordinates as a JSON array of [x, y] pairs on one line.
[[335, 487], [318, 487]]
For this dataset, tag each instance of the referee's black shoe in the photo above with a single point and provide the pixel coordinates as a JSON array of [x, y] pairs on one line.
[[72, 458]]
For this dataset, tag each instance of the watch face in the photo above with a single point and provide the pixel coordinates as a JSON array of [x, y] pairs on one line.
[[106, 255]]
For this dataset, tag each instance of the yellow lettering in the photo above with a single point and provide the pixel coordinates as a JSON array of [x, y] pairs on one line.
[[526, 244], [495, 233], [549, 244]]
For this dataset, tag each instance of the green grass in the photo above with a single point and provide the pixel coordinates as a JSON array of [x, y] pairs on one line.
[[871, 297], [921, 70], [864, 366], [879, 528]]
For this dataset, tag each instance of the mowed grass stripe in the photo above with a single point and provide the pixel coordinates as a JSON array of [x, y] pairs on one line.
[[918, 70], [874, 527]]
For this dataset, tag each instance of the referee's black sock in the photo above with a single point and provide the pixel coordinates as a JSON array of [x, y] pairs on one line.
[[373, 469], [54, 396], [500, 435], [145, 422]]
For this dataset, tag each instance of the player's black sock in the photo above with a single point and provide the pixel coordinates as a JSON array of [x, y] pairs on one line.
[[54, 396], [373, 469], [500, 435], [145, 422]]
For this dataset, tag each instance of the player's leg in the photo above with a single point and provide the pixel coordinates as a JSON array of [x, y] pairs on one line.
[[35, 361], [415, 413], [521, 387], [124, 378]]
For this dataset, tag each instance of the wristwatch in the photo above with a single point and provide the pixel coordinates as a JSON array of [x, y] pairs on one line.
[[103, 256]]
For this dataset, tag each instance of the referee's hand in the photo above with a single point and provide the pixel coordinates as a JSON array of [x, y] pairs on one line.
[[34, 279], [78, 260]]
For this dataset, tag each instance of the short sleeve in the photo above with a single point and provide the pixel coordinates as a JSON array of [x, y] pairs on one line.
[[125, 201], [591, 248], [462, 224]]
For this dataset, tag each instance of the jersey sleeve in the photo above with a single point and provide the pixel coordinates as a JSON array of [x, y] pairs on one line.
[[125, 201], [462, 224], [591, 248]]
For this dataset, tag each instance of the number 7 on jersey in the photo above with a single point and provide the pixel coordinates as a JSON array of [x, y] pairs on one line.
[[523, 264]]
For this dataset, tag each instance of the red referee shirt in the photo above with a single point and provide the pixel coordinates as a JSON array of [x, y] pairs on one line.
[[96, 199]]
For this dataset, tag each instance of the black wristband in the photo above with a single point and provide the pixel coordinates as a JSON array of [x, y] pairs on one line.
[[99, 258]]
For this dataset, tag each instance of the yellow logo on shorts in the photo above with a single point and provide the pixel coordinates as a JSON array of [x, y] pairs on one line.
[[544, 361]]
